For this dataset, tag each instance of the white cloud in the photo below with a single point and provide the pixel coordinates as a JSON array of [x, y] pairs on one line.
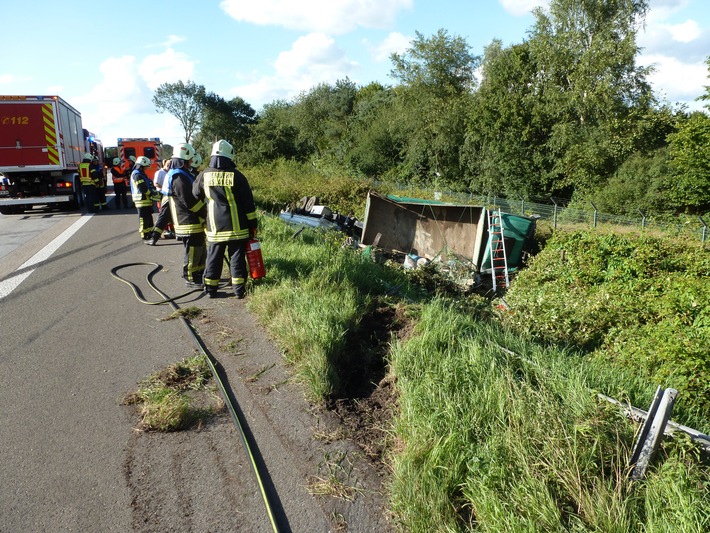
[[126, 91], [519, 8], [677, 51], [314, 58], [677, 81], [173, 40], [10, 79], [686, 32], [394, 42], [168, 67], [329, 16]]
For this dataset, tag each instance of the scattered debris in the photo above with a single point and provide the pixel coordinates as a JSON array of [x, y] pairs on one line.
[[309, 212]]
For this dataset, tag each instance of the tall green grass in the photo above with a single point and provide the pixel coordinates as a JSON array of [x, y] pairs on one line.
[[313, 299], [515, 439]]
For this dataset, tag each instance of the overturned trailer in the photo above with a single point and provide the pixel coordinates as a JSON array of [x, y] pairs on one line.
[[445, 231]]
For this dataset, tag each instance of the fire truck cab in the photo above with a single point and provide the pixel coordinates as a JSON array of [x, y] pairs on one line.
[[150, 147]]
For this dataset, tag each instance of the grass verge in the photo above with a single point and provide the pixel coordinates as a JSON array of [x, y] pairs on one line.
[[178, 397]]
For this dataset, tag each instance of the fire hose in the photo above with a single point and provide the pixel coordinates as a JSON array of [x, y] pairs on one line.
[[215, 367]]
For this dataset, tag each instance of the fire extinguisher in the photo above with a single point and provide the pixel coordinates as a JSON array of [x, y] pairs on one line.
[[255, 259]]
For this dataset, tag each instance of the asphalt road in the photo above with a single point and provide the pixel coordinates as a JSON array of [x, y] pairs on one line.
[[75, 341]]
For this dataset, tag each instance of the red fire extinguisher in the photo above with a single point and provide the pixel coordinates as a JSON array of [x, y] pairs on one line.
[[255, 259]]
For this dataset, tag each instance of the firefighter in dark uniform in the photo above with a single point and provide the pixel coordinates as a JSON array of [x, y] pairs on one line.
[[231, 218], [97, 169], [188, 214], [89, 183], [120, 183], [144, 194]]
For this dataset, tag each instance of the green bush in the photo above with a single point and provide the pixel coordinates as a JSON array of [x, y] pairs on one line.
[[285, 182], [636, 301]]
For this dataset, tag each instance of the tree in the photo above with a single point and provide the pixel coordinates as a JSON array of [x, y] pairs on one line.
[[273, 136], [322, 117], [437, 77], [689, 188], [587, 76], [442, 65], [184, 101], [229, 120], [503, 152], [376, 139]]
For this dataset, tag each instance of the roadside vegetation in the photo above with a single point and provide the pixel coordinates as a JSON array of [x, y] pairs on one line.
[[498, 426], [178, 397]]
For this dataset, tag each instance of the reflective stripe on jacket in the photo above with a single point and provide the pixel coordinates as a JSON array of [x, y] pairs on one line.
[[142, 190], [230, 204], [85, 174], [188, 212]]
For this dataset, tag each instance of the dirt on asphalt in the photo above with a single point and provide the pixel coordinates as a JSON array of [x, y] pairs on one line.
[[324, 466]]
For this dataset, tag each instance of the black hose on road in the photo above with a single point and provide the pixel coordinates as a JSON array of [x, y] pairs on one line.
[[217, 372]]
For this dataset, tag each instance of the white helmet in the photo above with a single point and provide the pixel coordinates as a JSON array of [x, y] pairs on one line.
[[143, 161], [196, 160], [223, 148], [184, 151], [88, 156], [132, 158], [116, 161]]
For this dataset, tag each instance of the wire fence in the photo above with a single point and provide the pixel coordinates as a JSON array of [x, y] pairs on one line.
[[560, 215]]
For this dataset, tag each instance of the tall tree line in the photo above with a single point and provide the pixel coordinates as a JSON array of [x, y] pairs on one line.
[[566, 113]]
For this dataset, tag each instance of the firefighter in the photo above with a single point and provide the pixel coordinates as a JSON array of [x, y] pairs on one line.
[[144, 194], [89, 183], [98, 170], [120, 183], [128, 165], [164, 221], [188, 214], [231, 218]]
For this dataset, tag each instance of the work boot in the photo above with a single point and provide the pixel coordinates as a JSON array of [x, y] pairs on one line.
[[152, 239], [240, 291]]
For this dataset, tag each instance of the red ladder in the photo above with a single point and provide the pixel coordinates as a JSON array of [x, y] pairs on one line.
[[496, 245]]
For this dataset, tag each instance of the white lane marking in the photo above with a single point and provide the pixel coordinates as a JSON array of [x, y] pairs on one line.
[[10, 284]]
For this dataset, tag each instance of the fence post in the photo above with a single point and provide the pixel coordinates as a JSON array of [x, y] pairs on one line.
[[554, 216], [705, 228], [595, 214], [643, 219]]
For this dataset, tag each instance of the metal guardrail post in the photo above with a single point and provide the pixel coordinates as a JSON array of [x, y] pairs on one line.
[[705, 229], [655, 432], [643, 219], [596, 214], [554, 218]]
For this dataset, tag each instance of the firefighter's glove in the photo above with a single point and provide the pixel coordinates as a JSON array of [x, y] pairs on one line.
[[252, 233]]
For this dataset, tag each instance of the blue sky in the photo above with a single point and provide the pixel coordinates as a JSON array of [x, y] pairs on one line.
[[107, 59]]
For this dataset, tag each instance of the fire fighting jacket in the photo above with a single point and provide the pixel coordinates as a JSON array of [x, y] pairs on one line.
[[188, 212], [230, 203], [142, 189], [87, 174], [117, 175]]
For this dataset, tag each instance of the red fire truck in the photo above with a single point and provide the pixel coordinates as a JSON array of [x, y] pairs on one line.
[[150, 147], [42, 142]]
